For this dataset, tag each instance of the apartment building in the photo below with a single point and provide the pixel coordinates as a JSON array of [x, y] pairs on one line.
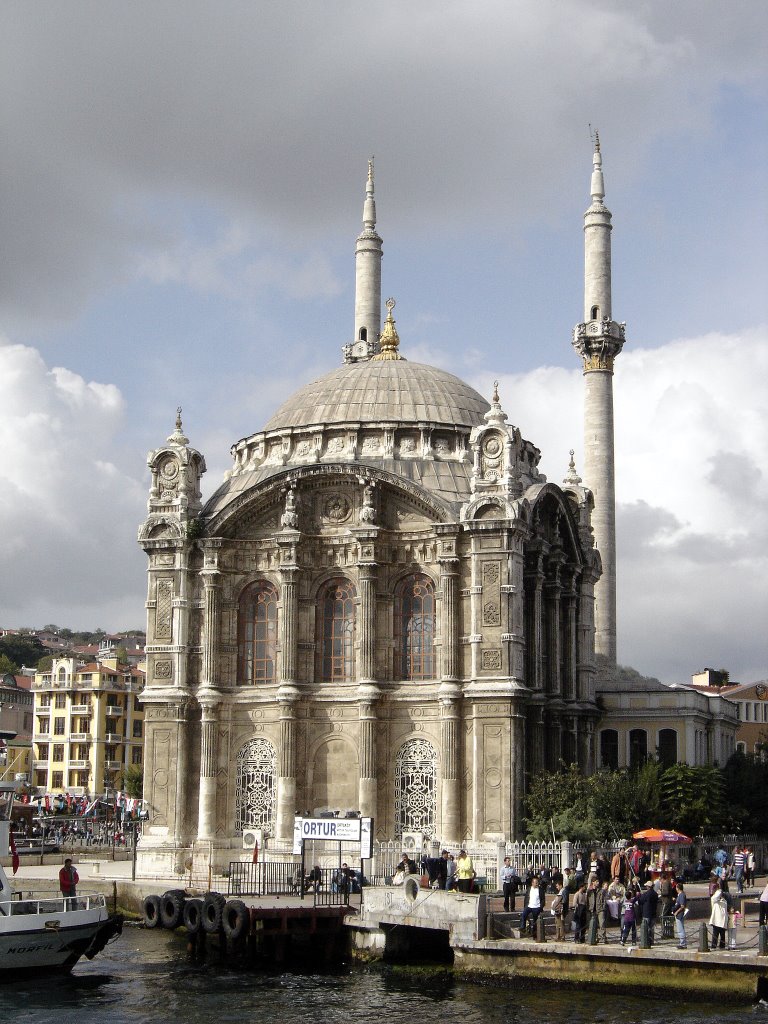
[[88, 725]]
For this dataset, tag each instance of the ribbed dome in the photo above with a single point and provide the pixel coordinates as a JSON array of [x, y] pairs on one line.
[[390, 391]]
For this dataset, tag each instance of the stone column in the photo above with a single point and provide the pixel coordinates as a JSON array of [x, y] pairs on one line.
[[450, 810], [517, 771], [211, 615], [368, 784], [367, 576], [449, 583], [286, 780], [181, 828], [289, 640], [209, 732]]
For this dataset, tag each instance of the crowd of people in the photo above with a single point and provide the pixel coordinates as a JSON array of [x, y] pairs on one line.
[[633, 890]]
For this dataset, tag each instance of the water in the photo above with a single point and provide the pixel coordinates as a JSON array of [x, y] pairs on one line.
[[147, 977]]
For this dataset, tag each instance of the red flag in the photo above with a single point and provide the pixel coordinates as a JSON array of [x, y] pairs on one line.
[[14, 855]]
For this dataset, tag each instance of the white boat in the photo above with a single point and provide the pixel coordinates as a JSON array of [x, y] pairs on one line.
[[42, 932]]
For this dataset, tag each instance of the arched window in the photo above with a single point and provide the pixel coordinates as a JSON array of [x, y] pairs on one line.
[[336, 630], [255, 786], [415, 628], [363, 334], [609, 748], [257, 634], [638, 748], [667, 747], [416, 788]]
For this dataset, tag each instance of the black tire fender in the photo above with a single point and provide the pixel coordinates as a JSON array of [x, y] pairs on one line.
[[235, 919], [171, 910], [151, 907], [213, 909], [192, 916]]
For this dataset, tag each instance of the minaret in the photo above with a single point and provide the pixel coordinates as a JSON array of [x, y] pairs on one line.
[[368, 254], [598, 341]]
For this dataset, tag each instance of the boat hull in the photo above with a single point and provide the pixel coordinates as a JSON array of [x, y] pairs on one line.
[[27, 950]]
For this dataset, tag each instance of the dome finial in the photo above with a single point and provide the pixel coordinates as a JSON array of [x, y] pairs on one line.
[[572, 478], [177, 437], [390, 340]]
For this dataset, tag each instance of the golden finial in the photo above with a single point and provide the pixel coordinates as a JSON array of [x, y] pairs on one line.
[[178, 417], [389, 340], [495, 392]]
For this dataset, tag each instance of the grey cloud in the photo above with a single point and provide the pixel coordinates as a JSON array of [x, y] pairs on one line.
[[117, 114]]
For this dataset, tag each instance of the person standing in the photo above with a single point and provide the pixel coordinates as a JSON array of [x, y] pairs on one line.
[[580, 913], [450, 872], [533, 905], [628, 918], [679, 912], [738, 868], [718, 919], [560, 908], [649, 902], [749, 866], [68, 879], [508, 885], [465, 871]]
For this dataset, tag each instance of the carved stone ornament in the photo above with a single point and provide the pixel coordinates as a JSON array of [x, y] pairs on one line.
[[491, 660], [337, 508], [491, 615], [290, 517], [163, 669]]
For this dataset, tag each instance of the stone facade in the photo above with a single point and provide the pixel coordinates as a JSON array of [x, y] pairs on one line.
[[400, 623]]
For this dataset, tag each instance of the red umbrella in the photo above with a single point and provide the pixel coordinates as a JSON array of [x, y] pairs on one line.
[[661, 835]]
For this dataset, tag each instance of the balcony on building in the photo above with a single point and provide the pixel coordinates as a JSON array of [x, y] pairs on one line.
[[80, 737], [79, 764], [113, 737], [80, 709], [113, 766]]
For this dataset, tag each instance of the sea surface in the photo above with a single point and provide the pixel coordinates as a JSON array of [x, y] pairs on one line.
[[147, 976]]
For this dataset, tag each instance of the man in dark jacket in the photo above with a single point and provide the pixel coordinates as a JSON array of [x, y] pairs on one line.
[[648, 902]]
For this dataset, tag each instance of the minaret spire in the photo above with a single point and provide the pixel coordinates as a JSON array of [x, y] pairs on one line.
[[598, 341], [368, 255]]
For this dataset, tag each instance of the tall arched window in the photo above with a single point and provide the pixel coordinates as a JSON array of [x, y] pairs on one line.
[[609, 748], [416, 788], [257, 634], [638, 748], [255, 786], [415, 628], [336, 631], [667, 747]]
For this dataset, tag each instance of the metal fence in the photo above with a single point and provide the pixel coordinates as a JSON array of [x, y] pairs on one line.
[[321, 886]]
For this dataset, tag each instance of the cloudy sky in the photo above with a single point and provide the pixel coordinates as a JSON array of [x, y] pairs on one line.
[[180, 189]]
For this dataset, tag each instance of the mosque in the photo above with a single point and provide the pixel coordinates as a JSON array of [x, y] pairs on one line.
[[385, 607]]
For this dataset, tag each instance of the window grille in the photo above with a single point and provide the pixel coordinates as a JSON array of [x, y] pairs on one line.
[[255, 788], [416, 788]]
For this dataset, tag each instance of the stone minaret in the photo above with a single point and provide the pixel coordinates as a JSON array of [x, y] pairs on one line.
[[598, 341], [368, 254]]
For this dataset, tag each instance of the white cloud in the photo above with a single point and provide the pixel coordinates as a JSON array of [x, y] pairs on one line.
[[68, 514], [692, 487]]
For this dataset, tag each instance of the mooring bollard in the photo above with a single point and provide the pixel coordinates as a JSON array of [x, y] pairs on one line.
[[645, 936], [762, 941], [703, 938], [541, 935], [593, 930]]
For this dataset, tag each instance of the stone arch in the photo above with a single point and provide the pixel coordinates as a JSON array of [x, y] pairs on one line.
[[333, 773], [256, 786]]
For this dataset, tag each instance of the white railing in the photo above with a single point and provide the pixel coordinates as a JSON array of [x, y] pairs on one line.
[[44, 903]]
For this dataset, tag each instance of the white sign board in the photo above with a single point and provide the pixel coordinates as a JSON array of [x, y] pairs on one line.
[[335, 830]]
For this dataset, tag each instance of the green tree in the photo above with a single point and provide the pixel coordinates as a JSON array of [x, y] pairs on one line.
[[22, 650], [133, 780], [6, 665], [121, 654], [693, 798]]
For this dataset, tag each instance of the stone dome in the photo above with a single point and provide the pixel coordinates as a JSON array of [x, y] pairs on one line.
[[388, 391]]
